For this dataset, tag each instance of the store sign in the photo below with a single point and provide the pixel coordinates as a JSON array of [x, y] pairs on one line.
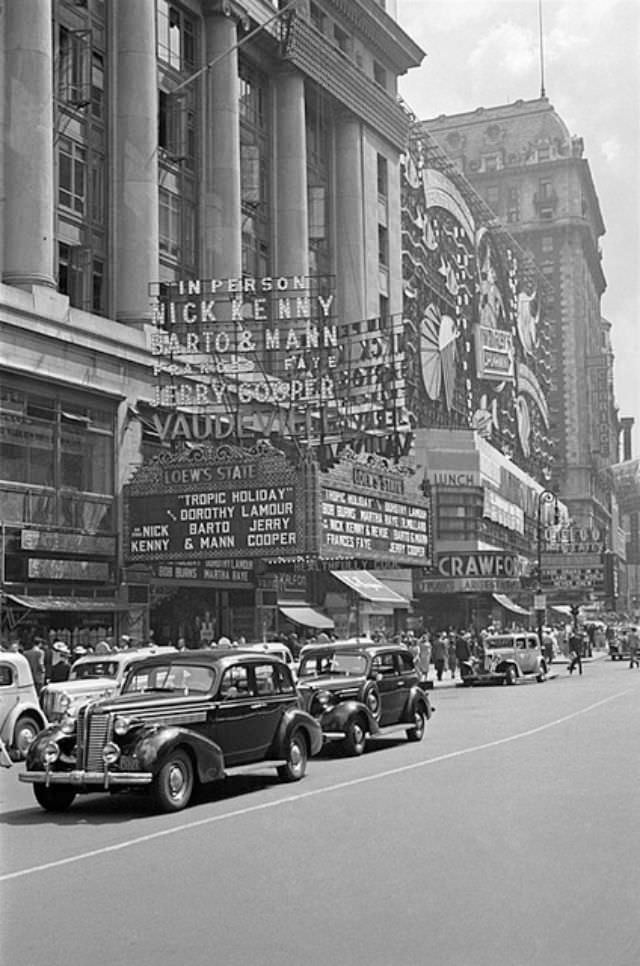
[[573, 571], [49, 540], [502, 511], [495, 356], [44, 569], [600, 408], [212, 571], [468, 585], [572, 540], [453, 478], [203, 508], [480, 564]]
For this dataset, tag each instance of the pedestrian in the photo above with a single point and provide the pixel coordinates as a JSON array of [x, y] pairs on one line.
[[60, 665], [102, 647], [34, 654], [575, 652], [634, 647], [463, 650], [439, 654]]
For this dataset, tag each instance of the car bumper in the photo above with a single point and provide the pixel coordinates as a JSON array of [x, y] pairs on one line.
[[80, 778]]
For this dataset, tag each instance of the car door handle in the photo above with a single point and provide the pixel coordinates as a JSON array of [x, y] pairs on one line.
[[260, 704]]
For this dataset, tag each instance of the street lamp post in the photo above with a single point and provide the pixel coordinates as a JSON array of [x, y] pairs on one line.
[[545, 498]]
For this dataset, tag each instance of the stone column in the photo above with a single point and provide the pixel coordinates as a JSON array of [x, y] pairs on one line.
[[222, 234], [351, 281], [29, 182], [292, 218], [136, 221]]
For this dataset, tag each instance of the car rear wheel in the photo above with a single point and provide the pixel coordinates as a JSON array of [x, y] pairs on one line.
[[56, 798], [296, 764], [355, 737], [25, 731], [419, 724], [541, 675], [173, 785]]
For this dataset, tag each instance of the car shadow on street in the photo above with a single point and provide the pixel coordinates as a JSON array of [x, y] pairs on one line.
[[123, 807]]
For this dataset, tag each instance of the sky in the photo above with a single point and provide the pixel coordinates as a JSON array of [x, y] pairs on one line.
[[483, 53]]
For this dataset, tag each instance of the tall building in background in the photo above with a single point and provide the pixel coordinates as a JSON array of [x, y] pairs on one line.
[[523, 162]]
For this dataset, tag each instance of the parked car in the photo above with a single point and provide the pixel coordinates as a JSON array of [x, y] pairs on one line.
[[21, 717], [357, 691], [506, 658], [92, 677], [181, 719], [276, 649]]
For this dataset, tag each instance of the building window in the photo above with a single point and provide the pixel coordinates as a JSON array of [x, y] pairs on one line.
[[379, 75], [97, 86], [169, 222], [547, 243], [491, 162], [341, 38], [72, 175], [545, 190], [74, 66], [383, 177], [513, 204], [318, 178], [492, 196], [383, 247], [176, 37], [317, 17], [254, 168]]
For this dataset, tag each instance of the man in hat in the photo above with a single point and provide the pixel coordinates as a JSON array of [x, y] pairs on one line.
[[34, 654], [60, 665]]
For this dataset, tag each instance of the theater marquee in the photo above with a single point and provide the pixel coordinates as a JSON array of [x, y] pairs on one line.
[[226, 503]]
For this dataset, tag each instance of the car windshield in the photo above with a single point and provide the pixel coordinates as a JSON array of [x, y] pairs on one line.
[[332, 662], [186, 679], [94, 669]]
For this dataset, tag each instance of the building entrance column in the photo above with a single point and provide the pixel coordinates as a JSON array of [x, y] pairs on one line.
[[137, 219], [29, 183], [350, 219], [222, 234], [292, 227]]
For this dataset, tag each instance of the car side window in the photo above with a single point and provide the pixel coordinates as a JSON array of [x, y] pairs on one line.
[[6, 676], [235, 682], [284, 680], [265, 677], [384, 664], [520, 642], [405, 663]]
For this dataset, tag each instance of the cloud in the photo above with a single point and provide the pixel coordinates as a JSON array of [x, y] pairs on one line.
[[611, 149], [507, 47]]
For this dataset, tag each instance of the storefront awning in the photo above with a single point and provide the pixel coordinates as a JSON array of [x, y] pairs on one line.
[[87, 604], [508, 604], [562, 609], [370, 588], [306, 615]]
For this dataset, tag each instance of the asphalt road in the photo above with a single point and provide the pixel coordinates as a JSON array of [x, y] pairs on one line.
[[510, 836]]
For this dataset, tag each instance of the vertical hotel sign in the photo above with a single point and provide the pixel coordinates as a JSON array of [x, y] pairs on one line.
[[600, 407], [227, 503]]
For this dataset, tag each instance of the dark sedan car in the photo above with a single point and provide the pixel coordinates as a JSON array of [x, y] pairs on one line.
[[358, 691], [180, 719]]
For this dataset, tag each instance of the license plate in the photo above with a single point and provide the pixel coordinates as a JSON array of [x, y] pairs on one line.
[[128, 763]]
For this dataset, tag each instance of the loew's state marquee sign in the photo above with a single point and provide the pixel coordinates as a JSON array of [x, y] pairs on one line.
[[224, 503]]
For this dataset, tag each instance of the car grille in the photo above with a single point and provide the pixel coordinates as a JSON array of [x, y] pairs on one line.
[[92, 736], [48, 701]]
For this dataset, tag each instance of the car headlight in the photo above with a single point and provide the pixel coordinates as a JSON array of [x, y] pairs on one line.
[[50, 753], [64, 703], [123, 724], [323, 698], [68, 723], [110, 753]]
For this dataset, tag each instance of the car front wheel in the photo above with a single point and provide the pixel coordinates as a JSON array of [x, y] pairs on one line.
[[416, 733], [56, 798], [25, 731], [510, 675], [295, 765], [355, 737], [173, 785]]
